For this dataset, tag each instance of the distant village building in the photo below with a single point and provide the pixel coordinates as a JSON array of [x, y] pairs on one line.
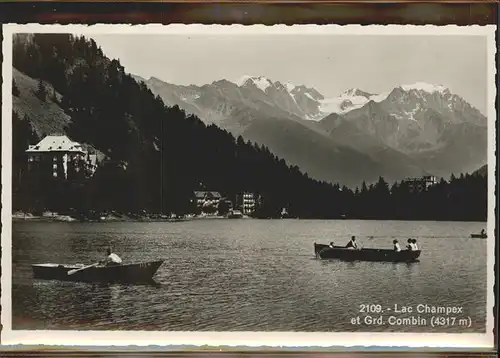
[[247, 202], [205, 198], [421, 183], [57, 155]]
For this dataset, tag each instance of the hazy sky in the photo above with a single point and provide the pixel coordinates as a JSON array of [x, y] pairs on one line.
[[329, 63]]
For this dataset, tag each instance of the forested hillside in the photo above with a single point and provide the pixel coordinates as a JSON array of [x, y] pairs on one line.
[[166, 153], [157, 155]]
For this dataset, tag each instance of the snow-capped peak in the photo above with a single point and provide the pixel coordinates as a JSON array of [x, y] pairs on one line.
[[260, 81], [242, 80], [354, 92], [289, 86], [426, 87], [355, 98]]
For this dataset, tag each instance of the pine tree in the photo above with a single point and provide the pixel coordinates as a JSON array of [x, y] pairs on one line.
[[41, 92], [168, 153], [15, 89]]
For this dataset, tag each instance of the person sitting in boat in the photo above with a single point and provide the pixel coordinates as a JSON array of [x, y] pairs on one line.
[[410, 245], [415, 247], [332, 245], [352, 244], [396, 246], [483, 232], [112, 259]]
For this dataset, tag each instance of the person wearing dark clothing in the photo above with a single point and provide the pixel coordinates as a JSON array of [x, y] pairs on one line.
[[352, 243]]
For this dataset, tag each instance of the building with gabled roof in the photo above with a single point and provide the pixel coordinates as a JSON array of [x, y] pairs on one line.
[[56, 143], [57, 155], [421, 183]]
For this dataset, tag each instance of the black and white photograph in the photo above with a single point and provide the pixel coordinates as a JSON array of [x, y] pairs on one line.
[[212, 183]]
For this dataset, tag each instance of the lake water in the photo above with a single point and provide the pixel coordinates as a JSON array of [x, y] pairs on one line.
[[249, 275]]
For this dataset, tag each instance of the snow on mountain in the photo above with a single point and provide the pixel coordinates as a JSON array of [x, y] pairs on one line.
[[346, 101], [379, 97], [309, 95], [354, 98], [425, 87], [289, 86], [261, 82], [309, 104], [242, 80], [402, 102], [410, 126], [355, 92]]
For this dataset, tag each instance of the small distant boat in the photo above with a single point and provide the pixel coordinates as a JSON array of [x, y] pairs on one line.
[[131, 273], [377, 255], [479, 236], [235, 214]]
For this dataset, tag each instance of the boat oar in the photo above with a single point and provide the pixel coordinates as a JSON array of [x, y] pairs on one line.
[[72, 272]]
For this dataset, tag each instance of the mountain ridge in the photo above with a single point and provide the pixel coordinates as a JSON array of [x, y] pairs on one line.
[[408, 130], [158, 155]]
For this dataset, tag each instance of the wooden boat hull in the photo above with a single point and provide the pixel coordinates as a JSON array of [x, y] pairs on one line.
[[374, 255], [478, 236], [132, 273]]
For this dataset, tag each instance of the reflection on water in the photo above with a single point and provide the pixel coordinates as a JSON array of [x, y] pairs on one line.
[[244, 275]]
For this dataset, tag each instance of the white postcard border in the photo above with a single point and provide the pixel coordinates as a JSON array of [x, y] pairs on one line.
[[248, 339]]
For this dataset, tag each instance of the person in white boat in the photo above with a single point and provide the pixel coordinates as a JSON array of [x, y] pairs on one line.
[[111, 258], [352, 244], [397, 248], [415, 247], [410, 246]]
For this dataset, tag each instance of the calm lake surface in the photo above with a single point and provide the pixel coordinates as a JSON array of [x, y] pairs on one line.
[[248, 275]]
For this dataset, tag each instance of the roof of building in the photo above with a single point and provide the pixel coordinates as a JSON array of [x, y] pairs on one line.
[[204, 194], [56, 143], [423, 178]]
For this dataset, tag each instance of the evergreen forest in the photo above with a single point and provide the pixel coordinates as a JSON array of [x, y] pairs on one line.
[[156, 155]]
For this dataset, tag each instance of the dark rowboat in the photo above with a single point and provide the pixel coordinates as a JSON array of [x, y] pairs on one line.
[[378, 255], [132, 273], [478, 236]]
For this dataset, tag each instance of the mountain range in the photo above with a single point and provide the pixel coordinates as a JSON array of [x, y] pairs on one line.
[[410, 130]]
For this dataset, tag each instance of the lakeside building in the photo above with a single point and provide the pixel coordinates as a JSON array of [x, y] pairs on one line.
[[204, 198], [57, 155], [421, 183], [247, 202]]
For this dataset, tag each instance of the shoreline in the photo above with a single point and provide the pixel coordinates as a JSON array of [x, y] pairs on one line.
[[54, 217]]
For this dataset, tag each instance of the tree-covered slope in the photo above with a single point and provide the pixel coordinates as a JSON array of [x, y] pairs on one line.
[[166, 153], [157, 155]]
